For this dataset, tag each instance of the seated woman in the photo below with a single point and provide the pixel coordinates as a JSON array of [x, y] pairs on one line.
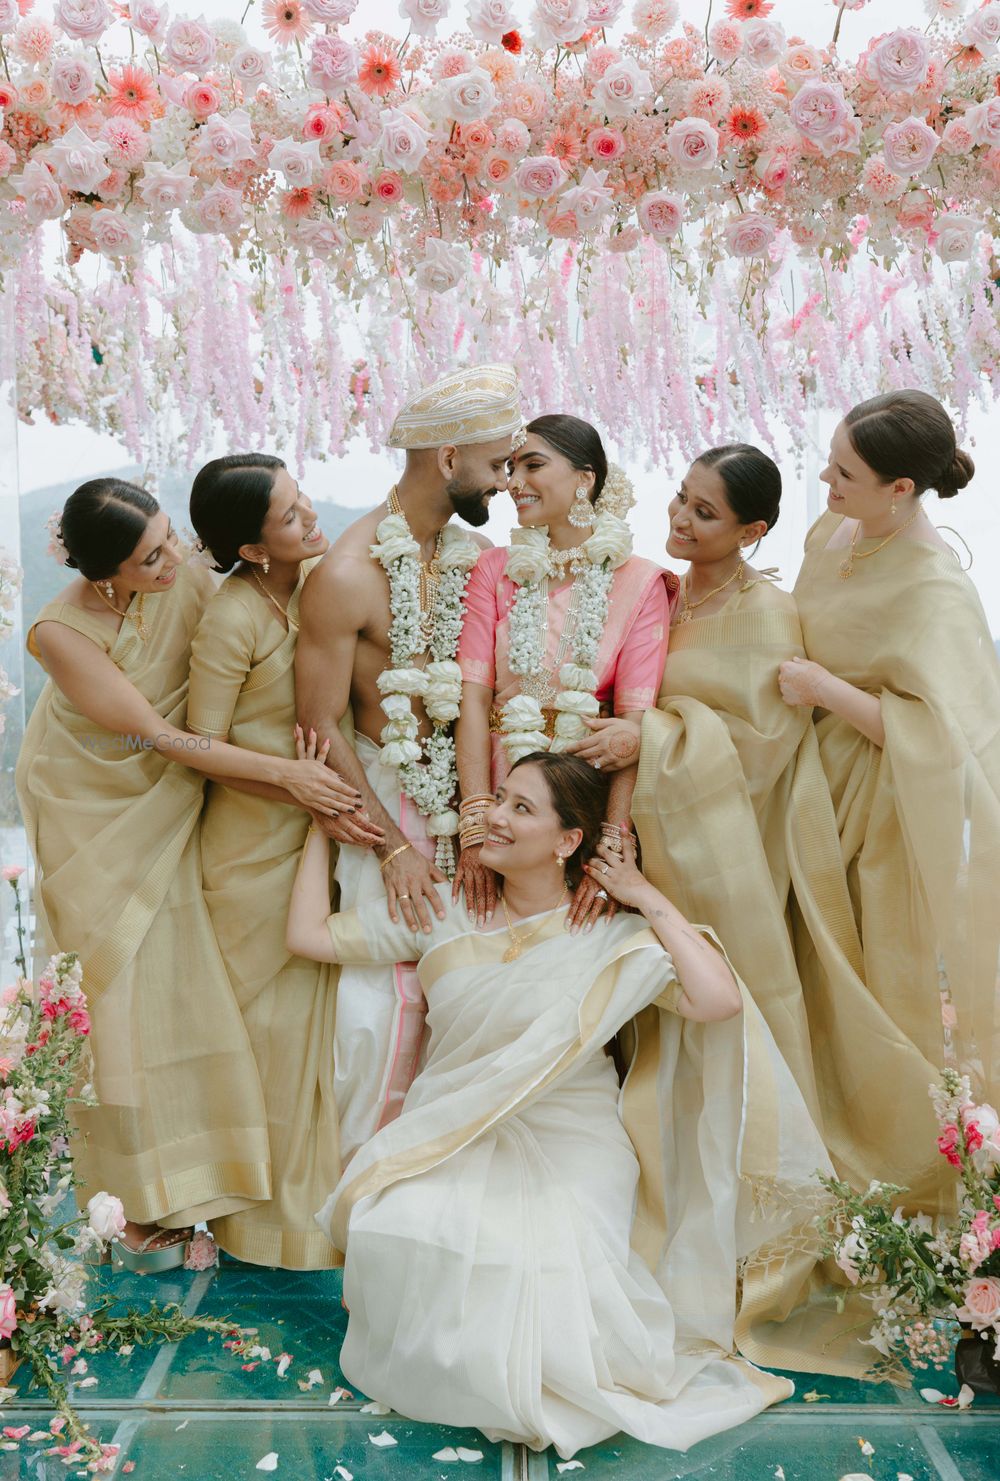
[[531, 1250]]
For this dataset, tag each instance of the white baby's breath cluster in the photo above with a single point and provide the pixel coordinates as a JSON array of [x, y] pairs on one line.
[[427, 770], [529, 566]]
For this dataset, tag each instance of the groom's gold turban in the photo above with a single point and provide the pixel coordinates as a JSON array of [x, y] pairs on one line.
[[478, 404]]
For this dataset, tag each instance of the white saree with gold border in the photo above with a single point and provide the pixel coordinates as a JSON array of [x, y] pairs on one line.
[[532, 1251]]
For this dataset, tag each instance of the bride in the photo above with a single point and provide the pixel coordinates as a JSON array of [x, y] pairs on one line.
[[529, 1249]]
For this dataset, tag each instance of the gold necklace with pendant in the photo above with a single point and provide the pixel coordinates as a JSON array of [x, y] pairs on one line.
[[518, 943], [138, 619]]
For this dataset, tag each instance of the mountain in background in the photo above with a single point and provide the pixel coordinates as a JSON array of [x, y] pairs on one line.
[[44, 577]]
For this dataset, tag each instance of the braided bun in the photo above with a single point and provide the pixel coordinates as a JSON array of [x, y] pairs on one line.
[[958, 475]]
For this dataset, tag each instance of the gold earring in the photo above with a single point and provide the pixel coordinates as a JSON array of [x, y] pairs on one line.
[[266, 564], [109, 590], [581, 511], [560, 861]]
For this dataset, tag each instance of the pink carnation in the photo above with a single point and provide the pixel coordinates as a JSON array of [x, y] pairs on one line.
[[34, 40], [957, 137], [512, 137], [127, 143], [600, 58], [725, 41], [879, 181]]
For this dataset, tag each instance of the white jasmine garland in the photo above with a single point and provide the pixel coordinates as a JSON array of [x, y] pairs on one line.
[[529, 567], [428, 773]]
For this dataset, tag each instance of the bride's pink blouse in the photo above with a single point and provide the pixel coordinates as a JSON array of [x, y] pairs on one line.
[[633, 649]]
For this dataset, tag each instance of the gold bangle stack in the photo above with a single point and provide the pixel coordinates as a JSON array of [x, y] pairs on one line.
[[472, 829], [613, 837]]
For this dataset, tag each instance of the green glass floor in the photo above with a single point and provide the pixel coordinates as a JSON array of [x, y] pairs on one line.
[[195, 1412]]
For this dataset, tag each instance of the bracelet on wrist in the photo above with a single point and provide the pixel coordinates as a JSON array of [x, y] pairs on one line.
[[384, 863]]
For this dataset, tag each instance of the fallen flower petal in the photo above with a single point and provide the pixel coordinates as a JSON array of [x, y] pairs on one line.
[[268, 1462], [343, 1473], [447, 1454], [383, 1439], [469, 1456], [812, 1397], [284, 1363], [374, 1408], [570, 1465], [16, 1432]]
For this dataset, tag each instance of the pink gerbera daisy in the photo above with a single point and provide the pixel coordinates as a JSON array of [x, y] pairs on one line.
[[379, 71], [745, 10], [131, 94], [286, 21]]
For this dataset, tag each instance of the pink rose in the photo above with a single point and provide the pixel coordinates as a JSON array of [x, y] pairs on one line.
[[296, 159], [148, 18], [203, 1252], [654, 18], [344, 181], [693, 144], [800, 64], [983, 121], [957, 137], [404, 141], [201, 99], [622, 88], [166, 189], [250, 65], [321, 238], [955, 240], [333, 63], [539, 176], [189, 46], [115, 234], [443, 267], [818, 110], [916, 211], [331, 12], [8, 1312], [982, 1302], [899, 62], [982, 30], [606, 144], [763, 43], [219, 210], [590, 201], [363, 222], [725, 41], [322, 123], [910, 146], [84, 20], [72, 80], [388, 187], [498, 169], [749, 235], [661, 214], [773, 170], [527, 101], [226, 141], [490, 20]]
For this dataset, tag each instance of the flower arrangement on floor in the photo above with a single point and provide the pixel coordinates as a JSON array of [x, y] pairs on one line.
[[453, 182], [45, 1319], [927, 1276]]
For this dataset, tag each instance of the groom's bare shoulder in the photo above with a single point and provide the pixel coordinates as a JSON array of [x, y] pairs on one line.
[[346, 579]]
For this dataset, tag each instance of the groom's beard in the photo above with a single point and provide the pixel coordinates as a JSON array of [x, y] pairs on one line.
[[472, 505]]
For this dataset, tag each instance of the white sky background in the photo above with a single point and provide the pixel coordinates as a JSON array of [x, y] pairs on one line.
[[50, 454]]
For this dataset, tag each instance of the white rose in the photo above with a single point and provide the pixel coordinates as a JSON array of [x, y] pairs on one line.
[[166, 189], [982, 30], [622, 88], [956, 236], [105, 1215], [469, 96], [402, 681], [115, 234], [458, 552], [443, 697], [522, 713], [399, 730], [443, 824], [250, 65], [403, 141], [80, 163], [528, 558], [611, 541], [443, 267], [520, 743], [400, 753], [577, 702], [394, 540], [559, 20], [763, 43], [423, 15], [490, 20], [297, 161], [397, 707], [572, 676], [43, 199]]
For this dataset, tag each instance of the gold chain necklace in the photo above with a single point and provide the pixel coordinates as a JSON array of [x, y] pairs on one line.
[[283, 610], [847, 566], [518, 943], [688, 607], [137, 619], [430, 574]]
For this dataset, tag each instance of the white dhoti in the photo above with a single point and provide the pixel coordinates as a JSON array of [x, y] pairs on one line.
[[380, 1010]]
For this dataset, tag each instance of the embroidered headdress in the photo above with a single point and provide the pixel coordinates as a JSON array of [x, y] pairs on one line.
[[480, 403]]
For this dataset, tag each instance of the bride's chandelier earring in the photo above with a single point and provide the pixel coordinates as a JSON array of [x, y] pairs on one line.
[[581, 511], [266, 564], [892, 507], [109, 590]]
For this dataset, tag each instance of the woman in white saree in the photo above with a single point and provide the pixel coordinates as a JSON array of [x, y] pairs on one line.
[[530, 1250]]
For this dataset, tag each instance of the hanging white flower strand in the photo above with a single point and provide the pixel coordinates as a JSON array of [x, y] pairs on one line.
[[428, 773], [529, 566]]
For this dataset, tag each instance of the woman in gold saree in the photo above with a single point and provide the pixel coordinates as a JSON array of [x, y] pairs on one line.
[[179, 1132], [250, 514], [898, 932], [528, 1249]]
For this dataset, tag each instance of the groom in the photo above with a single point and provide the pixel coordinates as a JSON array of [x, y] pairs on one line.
[[457, 435]]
